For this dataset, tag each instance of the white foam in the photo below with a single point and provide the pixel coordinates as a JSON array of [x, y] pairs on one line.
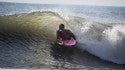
[[107, 44]]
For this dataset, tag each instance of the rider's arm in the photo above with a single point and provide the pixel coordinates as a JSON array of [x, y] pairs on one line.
[[57, 34], [72, 35]]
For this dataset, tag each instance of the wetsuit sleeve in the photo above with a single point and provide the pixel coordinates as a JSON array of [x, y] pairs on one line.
[[57, 34], [72, 35]]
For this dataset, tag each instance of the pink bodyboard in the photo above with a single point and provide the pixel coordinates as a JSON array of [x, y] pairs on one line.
[[67, 43]]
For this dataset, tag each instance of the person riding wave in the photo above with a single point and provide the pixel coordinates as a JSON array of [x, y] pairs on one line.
[[65, 37]]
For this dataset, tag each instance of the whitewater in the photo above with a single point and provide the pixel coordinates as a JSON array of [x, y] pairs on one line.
[[27, 32], [103, 40]]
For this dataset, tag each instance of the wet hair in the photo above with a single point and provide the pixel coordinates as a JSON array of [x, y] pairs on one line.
[[61, 26]]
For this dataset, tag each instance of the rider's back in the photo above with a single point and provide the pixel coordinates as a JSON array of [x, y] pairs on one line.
[[65, 34]]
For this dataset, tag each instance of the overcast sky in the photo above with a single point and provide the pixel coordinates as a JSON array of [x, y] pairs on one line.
[[78, 2]]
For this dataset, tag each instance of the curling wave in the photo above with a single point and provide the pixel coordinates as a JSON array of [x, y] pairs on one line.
[[28, 36]]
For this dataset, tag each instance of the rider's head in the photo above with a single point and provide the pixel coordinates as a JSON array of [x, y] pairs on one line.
[[61, 26]]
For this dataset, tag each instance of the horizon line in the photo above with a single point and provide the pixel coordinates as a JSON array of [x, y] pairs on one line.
[[63, 4]]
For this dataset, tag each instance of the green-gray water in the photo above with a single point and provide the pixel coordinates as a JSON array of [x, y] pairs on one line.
[[26, 41]]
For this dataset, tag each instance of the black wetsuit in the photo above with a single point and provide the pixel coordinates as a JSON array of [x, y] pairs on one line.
[[65, 34]]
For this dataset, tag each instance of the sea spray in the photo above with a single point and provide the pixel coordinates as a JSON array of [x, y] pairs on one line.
[[103, 40]]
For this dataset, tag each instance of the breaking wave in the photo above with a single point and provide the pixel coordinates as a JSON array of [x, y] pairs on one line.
[[28, 36]]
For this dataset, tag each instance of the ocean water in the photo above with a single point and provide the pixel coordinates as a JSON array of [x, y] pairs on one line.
[[101, 45], [105, 14]]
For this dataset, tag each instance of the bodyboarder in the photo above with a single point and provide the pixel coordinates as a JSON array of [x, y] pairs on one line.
[[65, 37]]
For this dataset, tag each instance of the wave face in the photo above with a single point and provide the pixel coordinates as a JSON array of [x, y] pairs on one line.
[[26, 41], [106, 41]]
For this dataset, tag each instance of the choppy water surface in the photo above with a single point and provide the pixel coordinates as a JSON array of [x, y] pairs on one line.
[[27, 41]]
